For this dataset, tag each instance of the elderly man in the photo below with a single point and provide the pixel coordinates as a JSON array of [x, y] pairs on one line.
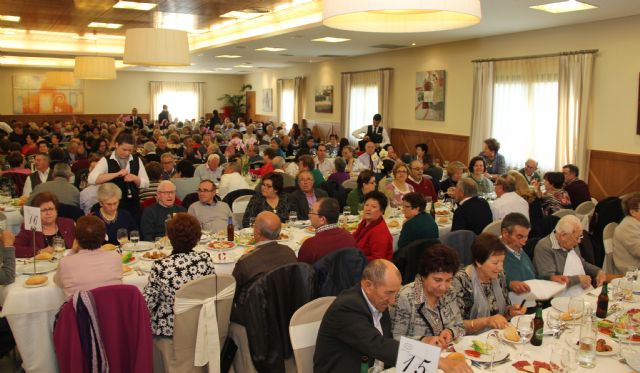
[[60, 186], [508, 200], [42, 174], [420, 183], [357, 325], [210, 170], [155, 216], [150, 154], [278, 167], [231, 179], [135, 121], [268, 255], [530, 171], [514, 232], [369, 159], [321, 161], [213, 216], [557, 258], [473, 213], [324, 218], [168, 163], [306, 195], [578, 190]]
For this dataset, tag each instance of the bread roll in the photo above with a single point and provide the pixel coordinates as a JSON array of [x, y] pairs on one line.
[[37, 280], [109, 247], [44, 256], [394, 224], [126, 268], [511, 334], [455, 356]]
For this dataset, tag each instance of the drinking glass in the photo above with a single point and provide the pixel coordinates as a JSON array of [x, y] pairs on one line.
[[626, 288], [293, 217], [252, 221], [123, 236], [575, 308], [554, 321], [58, 246], [525, 331], [622, 329], [558, 360], [346, 211], [494, 344], [587, 347], [134, 237]]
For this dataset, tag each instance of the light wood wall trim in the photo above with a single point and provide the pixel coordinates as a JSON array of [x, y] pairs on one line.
[[39, 118], [613, 174], [442, 146]]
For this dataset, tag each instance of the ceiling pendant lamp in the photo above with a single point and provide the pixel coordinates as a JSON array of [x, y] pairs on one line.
[[156, 47], [95, 68], [400, 16]]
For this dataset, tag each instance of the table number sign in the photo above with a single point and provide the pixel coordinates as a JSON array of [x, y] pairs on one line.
[[417, 357], [32, 220]]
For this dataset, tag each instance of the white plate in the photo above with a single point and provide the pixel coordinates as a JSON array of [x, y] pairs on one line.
[[41, 267], [140, 246], [9, 209], [465, 344], [149, 259], [571, 339], [224, 258], [502, 337], [561, 303], [24, 283], [222, 249]]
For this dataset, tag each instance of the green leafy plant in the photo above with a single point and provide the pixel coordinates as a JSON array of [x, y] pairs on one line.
[[237, 103]]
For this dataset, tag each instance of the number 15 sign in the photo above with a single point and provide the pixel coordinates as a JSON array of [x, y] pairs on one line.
[[417, 357]]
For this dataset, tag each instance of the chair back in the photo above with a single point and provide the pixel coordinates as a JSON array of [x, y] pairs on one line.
[[461, 242], [564, 212], [18, 181], [239, 207], [339, 270], [585, 208], [231, 196], [303, 330], [350, 184], [178, 353], [608, 210], [189, 199], [607, 240], [407, 258], [493, 228]]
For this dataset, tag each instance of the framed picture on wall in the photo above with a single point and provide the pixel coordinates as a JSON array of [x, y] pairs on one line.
[[267, 100], [430, 95], [324, 99], [47, 94]]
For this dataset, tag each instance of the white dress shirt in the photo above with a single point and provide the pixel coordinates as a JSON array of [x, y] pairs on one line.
[[362, 131], [325, 167], [203, 172], [231, 182], [26, 191], [508, 203], [102, 168]]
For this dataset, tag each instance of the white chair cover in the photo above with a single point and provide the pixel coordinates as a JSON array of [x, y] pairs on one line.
[[208, 338]]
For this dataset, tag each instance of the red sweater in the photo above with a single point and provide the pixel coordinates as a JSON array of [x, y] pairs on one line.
[[265, 169], [324, 243], [425, 187], [374, 240]]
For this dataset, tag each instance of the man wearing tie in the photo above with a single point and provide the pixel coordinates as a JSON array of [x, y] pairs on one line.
[[135, 120], [369, 159]]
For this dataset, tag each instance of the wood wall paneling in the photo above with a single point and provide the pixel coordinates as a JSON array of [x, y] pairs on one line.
[[442, 146], [613, 174], [39, 118]]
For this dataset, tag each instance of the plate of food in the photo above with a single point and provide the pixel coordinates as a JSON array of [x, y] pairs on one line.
[[128, 258], [108, 247], [153, 255], [607, 327], [36, 281], [534, 367], [310, 229], [510, 334], [562, 304], [442, 220], [43, 256], [394, 224], [249, 249], [221, 245], [139, 246], [604, 346], [40, 268], [126, 270], [284, 235], [478, 350]]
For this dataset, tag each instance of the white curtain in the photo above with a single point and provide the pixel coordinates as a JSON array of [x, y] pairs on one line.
[[481, 116], [345, 102], [184, 99], [299, 99], [384, 89], [286, 101], [574, 89], [364, 94]]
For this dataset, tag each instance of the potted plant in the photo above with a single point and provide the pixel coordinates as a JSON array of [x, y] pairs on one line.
[[236, 104]]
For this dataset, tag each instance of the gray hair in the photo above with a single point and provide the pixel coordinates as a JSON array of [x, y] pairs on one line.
[[167, 155], [212, 156], [376, 270], [277, 162], [62, 170], [468, 186], [107, 191], [266, 231], [149, 147], [235, 166], [567, 224], [166, 182]]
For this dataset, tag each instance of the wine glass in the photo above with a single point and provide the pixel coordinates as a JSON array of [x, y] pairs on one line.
[[575, 307], [560, 359], [623, 329], [525, 331], [626, 288], [123, 236], [134, 237], [554, 321], [346, 211], [58, 246], [293, 217], [494, 345]]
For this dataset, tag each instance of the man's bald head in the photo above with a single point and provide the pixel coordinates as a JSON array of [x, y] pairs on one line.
[[381, 281], [267, 226]]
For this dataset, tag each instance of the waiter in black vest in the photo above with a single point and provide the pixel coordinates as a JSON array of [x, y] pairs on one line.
[[135, 121], [373, 132], [124, 169]]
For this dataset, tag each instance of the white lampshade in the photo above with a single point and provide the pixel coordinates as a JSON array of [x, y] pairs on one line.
[[94, 67], [59, 79], [400, 16], [156, 47]]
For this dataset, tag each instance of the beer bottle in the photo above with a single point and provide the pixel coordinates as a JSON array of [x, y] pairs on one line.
[[364, 364], [433, 210], [538, 326], [230, 234], [603, 302]]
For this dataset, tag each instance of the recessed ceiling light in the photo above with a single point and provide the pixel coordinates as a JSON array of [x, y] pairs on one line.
[[223, 68], [329, 39], [413, 44], [228, 56], [271, 49], [563, 7], [105, 25], [241, 15], [133, 5], [244, 66], [9, 18]]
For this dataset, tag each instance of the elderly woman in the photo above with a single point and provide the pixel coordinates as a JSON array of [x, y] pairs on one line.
[[454, 173], [366, 183], [419, 224], [425, 309], [480, 289], [477, 171], [52, 227], [353, 166], [399, 187], [169, 274], [554, 197], [87, 267], [270, 198], [113, 217], [626, 238], [340, 175], [494, 162], [373, 236]]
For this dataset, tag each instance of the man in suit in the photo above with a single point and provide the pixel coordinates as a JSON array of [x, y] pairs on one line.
[[578, 190], [473, 213], [530, 171], [135, 121], [306, 195], [358, 325]]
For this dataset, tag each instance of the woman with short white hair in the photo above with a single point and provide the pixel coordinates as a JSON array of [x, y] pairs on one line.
[[109, 196]]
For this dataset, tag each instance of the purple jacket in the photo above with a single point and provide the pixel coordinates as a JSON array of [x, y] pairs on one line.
[[24, 248]]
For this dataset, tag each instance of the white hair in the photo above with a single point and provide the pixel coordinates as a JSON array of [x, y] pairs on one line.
[[212, 156], [166, 182], [567, 224]]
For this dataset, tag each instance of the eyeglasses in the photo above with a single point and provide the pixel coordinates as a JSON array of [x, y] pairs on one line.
[[204, 191], [314, 213], [268, 186], [50, 209]]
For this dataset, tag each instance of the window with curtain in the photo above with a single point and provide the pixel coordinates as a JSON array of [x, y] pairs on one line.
[[286, 102], [184, 99], [525, 110], [363, 100]]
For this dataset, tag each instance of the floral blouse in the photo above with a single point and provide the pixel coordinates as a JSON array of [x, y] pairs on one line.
[[462, 290], [258, 203], [554, 201], [395, 194], [167, 276]]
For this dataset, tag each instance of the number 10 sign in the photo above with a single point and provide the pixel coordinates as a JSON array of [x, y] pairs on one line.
[[417, 357]]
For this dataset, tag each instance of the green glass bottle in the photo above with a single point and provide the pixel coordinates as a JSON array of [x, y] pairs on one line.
[[364, 364], [538, 326]]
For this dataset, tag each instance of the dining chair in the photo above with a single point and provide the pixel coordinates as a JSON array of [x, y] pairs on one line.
[[607, 240], [494, 228], [350, 184], [239, 207], [461, 241], [564, 212], [303, 330], [196, 299]]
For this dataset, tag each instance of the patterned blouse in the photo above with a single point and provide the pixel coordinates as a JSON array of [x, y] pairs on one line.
[[395, 194], [411, 317], [167, 276], [554, 201], [258, 203], [462, 291]]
